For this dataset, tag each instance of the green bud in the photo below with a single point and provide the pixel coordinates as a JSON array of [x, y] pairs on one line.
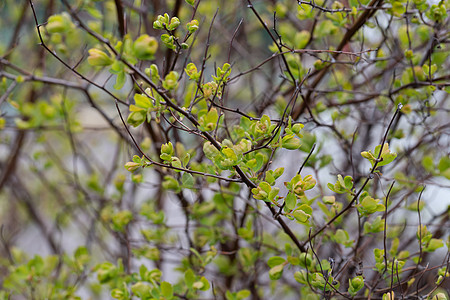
[[145, 47], [318, 64], [59, 23], [408, 54], [192, 26], [174, 23], [209, 89], [171, 80], [132, 166], [99, 58], [152, 72], [191, 71], [168, 41], [158, 25], [357, 283], [167, 151]]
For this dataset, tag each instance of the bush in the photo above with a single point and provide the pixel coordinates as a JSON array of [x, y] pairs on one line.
[[224, 150]]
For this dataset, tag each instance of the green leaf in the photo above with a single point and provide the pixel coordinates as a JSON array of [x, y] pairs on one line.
[[275, 260], [348, 182], [398, 8], [433, 245], [242, 294], [369, 206], [142, 101], [290, 142], [166, 290], [341, 236], [208, 121], [171, 183], [141, 289], [187, 180], [167, 40], [136, 118], [210, 151], [301, 39], [106, 272], [189, 278], [121, 219], [205, 283], [81, 255], [427, 163], [444, 165], [376, 226], [273, 193], [301, 216], [329, 200], [120, 81], [176, 163], [276, 272], [265, 186], [291, 201], [190, 2]]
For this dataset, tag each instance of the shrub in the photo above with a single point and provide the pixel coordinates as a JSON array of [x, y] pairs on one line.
[[254, 149]]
